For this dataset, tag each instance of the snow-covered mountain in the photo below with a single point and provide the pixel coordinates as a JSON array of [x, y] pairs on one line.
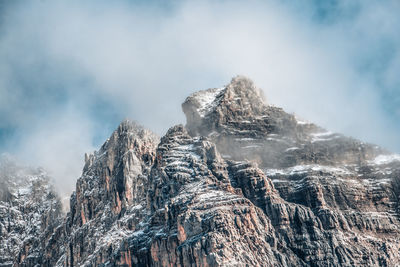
[[30, 212], [242, 184]]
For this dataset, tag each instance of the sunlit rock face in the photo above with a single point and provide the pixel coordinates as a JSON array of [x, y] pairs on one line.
[[242, 184], [110, 198]]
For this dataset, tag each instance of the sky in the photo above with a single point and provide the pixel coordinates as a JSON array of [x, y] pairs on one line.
[[70, 71]]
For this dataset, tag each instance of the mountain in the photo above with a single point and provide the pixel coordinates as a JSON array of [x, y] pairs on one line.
[[242, 184], [30, 211]]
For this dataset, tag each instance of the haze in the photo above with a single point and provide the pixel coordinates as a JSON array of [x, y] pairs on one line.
[[70, 71]]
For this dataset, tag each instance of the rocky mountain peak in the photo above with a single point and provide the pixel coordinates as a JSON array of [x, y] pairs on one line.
[[115, 175], [126, 134], [242, 184], [245, 89], [244, 127], [129, 126], [213, 107], [110, 195]]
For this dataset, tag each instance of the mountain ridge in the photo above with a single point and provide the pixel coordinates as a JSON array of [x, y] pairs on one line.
[[242, 184]]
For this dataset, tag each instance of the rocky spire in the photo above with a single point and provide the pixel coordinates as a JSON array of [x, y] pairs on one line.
[[116, 171], [208, 109], [113, 184]]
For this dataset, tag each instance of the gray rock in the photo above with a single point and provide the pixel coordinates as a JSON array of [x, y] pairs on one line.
[[242, 184]]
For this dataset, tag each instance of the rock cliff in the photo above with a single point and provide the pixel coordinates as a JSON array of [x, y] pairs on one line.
[[242, 184]]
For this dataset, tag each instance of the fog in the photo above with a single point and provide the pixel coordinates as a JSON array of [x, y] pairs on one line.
[[70, 71]]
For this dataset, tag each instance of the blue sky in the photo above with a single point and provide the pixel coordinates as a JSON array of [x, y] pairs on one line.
[[70, 71]]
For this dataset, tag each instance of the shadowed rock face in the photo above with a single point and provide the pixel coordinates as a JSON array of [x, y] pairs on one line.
[[243, 184]]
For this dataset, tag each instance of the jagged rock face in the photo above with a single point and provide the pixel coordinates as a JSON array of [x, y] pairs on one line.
[[29, 214], [216, 109], [350, 188], [110, 196], [116, 175], [243, 184], [198, 218], [237, 119]]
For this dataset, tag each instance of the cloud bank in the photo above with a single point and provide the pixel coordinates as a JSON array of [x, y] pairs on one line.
[[71, 71]]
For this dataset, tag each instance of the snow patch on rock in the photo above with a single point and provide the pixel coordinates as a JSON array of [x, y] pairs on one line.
[[206, 100], [385, 159], [299, 169]]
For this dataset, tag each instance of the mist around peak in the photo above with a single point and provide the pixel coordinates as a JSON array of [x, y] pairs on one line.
[[70, 72]]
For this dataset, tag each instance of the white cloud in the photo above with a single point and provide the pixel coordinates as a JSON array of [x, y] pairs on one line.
[[142, 61], [58, 144]]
